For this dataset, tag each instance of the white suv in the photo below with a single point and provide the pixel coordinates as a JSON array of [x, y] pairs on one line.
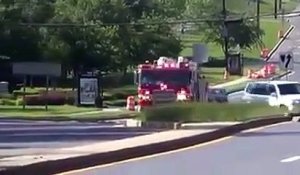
[[275, 93]]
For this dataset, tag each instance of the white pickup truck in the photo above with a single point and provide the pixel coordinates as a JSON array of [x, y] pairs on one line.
[[275, 93]]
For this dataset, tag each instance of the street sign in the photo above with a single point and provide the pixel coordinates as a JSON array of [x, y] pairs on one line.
[[286, 60], [200, 53]]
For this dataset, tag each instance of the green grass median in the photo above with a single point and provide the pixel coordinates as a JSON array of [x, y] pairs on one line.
[[62, 113], [197, 112]]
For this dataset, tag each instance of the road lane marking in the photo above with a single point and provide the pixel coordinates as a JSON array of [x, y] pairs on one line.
[[166, 153], [290, 159]]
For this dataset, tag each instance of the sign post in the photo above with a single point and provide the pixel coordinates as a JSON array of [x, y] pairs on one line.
[[36, 69], [88, 90], [200, 53], [286, 62]]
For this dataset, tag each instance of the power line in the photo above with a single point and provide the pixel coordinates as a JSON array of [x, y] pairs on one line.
[[147, 23], [128, 23]]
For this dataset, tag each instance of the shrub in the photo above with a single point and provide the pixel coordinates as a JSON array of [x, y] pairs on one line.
[[197, 112], [99, 102], [9, 102], [214, 62], [52, 98], [70, 100], [119, 103], [117, 80], [7, 96], [21, 93]]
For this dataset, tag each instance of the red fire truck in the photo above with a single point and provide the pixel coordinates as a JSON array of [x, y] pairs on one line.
[[166, 80]]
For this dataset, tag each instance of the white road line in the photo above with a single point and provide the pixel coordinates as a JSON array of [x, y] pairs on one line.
[[290, 159]]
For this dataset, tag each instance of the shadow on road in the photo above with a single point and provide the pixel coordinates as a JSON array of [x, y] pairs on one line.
[[260, 134]]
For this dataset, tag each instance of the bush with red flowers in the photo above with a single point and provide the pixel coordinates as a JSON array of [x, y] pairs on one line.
[[52, 98]]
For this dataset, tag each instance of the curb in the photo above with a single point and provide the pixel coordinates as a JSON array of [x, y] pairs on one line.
[[186, 126], [213, 125], [76, 163], [276, 47], [161, 125]]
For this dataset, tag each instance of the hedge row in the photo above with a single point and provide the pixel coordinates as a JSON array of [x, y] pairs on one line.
[[197, 112], [11, 102], [109, 95], [52, 98]]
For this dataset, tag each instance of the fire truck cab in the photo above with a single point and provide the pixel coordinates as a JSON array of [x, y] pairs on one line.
[[167, 80]]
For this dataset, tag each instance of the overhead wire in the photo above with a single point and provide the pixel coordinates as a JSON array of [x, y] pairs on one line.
[[165, 22]]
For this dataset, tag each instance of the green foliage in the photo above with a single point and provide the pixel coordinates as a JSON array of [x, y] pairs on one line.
[[196, 112], [244, 33], [112, 35], [88, 33]]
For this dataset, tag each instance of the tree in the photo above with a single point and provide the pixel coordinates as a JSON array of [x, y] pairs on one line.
[[22, 43], [106, 35], [86, 47], [244, 33], [142, 41]]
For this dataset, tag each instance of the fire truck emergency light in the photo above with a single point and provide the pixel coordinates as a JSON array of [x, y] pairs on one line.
[[145, 66]]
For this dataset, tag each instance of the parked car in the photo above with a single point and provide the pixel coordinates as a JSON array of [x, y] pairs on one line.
[[217, 95], [275, 93]]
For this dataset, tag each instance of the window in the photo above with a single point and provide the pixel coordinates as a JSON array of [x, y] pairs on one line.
[[271, 89], [289, 89], [172, 77], [258, 89], [249, 88]]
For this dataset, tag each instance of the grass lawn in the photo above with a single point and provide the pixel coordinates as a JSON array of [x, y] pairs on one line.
[[251, 57], [270, 38], [215, 75], [267, 6], [40, 110], [60, 113]]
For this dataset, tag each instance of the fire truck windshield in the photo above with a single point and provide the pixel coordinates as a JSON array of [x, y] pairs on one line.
[[175, 77]]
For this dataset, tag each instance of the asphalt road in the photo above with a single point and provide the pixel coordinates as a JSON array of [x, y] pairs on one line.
[[274, 150], [19, 138], [291, 44]]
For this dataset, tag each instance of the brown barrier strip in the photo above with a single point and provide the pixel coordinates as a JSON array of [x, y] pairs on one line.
[[63, 165]]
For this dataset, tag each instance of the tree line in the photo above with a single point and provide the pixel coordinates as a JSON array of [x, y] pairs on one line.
[[110, 35]]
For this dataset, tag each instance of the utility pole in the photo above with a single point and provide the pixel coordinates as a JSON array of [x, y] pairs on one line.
[[225, 33], [275, 9], [280, 4], [258, 14]]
